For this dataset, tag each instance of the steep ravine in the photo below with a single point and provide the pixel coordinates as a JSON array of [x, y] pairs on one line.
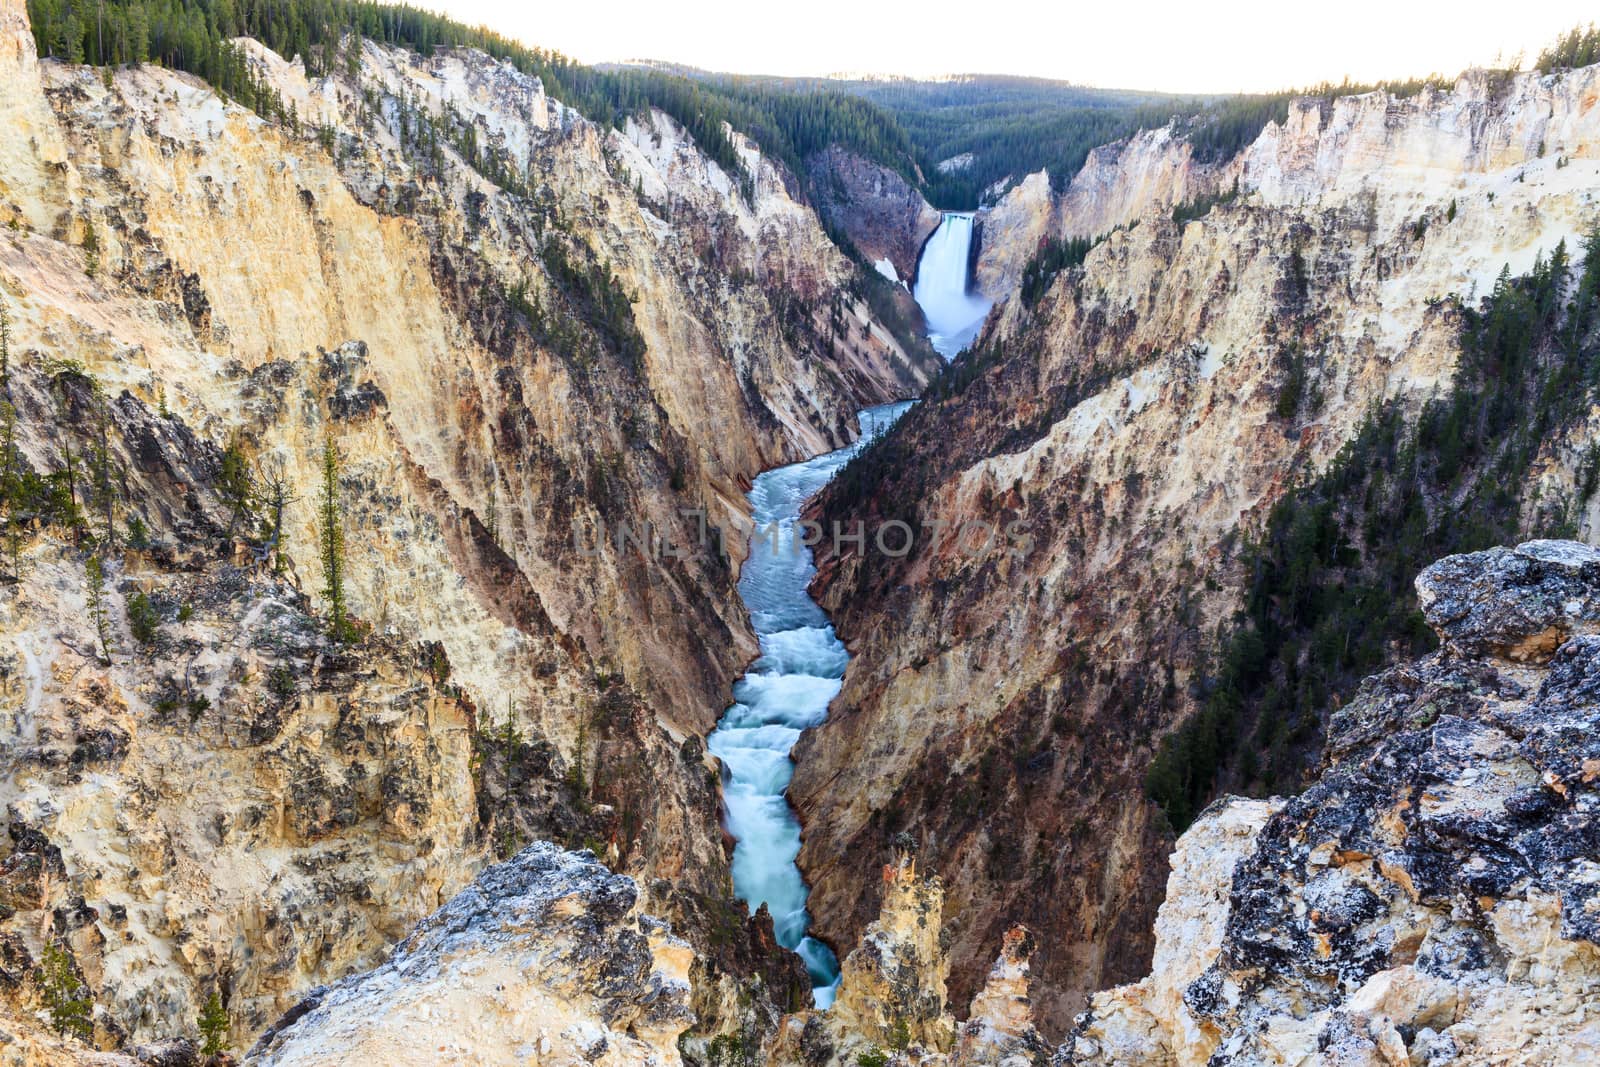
[[788, 689], [1429, 900], [785, 692]]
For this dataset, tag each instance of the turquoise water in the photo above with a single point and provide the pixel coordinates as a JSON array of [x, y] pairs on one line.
[[785, 692]]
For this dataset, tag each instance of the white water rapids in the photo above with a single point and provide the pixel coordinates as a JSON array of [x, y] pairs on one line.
[[785, 692], [954, 314]]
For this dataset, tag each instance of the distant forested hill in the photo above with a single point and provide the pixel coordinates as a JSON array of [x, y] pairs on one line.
[[1011, 126]]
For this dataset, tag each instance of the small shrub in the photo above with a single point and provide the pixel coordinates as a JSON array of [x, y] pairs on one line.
[[875, 1057], [65, 995], [143, 621], [214, 1024], [281, 681], [728, 1050]]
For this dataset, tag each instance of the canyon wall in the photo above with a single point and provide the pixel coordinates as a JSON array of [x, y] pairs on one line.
[[1424, 900], [202, 791], [1327, 150], [1007, 687], [885, 217], [1119, 183]]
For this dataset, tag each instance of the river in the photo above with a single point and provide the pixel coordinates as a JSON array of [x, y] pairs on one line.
[[801, 668]]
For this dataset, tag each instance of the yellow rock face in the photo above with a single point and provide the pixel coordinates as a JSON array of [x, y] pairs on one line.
[[255, 285]]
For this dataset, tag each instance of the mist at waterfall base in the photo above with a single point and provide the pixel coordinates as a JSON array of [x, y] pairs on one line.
[[785, 692], [954, 315]]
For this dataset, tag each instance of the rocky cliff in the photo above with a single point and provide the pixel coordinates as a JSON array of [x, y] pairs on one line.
[[892, 1004], [1347, 148], [1119, 183], [518, 331], [1082, 485], [885, 217], [1432, 898], [548, 957]]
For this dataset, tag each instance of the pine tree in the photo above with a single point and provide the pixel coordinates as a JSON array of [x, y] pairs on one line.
[[91, 249], [236, 484], [330, 528], [65, 995], [491, 517], [214, 1025], [5, 352], [276, 498], [144, 622], [97, 608], [102, 481], [10, 486]]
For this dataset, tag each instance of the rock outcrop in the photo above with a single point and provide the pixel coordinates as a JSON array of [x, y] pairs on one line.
[[30, 180], [1120, 183], [545, 958], [1080, 494], [1433, 898], [1426, 147], [891, 1001]]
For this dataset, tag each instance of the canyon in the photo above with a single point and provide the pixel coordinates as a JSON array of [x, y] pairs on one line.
[[1430, 892], [578, 740]]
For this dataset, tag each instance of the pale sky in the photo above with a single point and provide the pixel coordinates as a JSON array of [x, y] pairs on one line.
[[1197, 46]]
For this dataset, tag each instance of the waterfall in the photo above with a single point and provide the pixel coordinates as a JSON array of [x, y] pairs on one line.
[[954, 313], [785, 692]]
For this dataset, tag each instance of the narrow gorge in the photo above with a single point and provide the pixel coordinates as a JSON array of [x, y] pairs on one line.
[[802, 664], [785, 692]]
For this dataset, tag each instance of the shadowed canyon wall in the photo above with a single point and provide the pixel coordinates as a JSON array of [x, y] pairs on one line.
[[1003, 704]]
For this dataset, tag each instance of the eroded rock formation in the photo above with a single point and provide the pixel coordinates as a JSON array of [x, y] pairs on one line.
[[544, 958], [885, 217], [892, 1004]]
